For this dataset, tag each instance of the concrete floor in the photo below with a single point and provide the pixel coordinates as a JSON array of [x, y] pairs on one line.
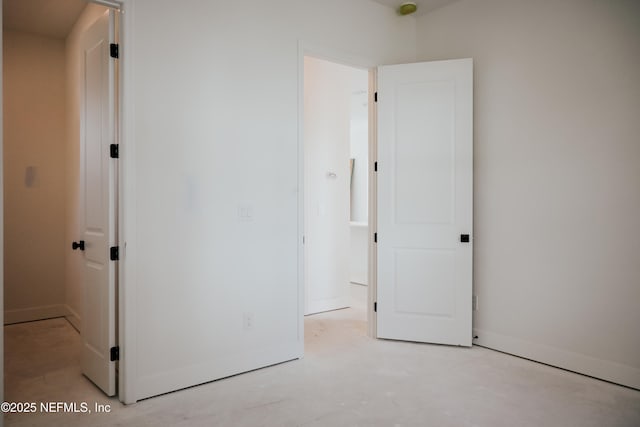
[[345, 379]]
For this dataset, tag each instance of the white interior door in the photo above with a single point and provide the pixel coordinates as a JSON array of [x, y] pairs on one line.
[[327, 120], [98, 186], [425, 202]]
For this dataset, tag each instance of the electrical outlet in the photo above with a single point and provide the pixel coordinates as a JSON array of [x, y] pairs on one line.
[[475, 303], [248, 321]]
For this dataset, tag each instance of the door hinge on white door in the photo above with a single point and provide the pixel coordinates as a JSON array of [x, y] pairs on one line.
[[375, 97], [114, 353], [114, 253], [114, 151], [114, 50], [375, 306], [375, 237]]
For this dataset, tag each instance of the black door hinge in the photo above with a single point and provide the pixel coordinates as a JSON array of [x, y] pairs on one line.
[[375, 237], [375, 97], [375, 166], [114, 151], [114, 50], [114, 354], [375, 306], [115, 253], [464, 238]]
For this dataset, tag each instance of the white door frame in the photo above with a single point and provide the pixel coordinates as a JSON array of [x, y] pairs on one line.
[[123, 380], [372, 258], [1, 220], [126, 299], [342, 58], [127, 214]]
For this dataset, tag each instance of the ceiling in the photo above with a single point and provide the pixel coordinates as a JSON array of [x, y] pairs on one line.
[[55, 18], [424, 6], [50, 18]]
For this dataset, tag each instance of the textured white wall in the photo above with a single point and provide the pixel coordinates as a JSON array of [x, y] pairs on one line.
[[213, 98], [557, 175], [34, 170]]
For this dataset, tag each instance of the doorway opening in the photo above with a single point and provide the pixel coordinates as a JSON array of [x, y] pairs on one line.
[[336, 188], [46, 120]]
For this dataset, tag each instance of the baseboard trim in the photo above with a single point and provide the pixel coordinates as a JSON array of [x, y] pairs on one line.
[[73, 317], [34, 313], [625, 375]]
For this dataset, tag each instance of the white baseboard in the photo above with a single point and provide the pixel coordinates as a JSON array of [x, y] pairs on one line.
[[603, 369], [73, 317], [34, 313]]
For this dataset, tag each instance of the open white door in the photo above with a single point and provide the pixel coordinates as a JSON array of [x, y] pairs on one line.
[[327, 114], [98, 195], [425, 202]]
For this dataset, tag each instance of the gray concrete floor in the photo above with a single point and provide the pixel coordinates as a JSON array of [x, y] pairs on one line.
[[345, 379]]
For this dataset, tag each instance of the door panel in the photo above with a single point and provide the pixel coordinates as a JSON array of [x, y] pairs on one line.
[[424, 113], [98, 195], [327, 115], [425, 188], [434, 294]]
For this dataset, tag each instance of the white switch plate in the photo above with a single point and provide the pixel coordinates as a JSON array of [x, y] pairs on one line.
[[245, 213], [248, 321]]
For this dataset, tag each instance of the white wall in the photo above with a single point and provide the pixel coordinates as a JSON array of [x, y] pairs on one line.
[[359, 250], [557, 174], [34, 113], [359, 144], [359, 151], [74, 221], [212, 111]]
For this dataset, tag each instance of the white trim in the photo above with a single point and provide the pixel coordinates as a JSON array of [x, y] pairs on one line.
[[372, 259], [301, 264], [34, 313], [1, 218], [604, 369], [127, 298]]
